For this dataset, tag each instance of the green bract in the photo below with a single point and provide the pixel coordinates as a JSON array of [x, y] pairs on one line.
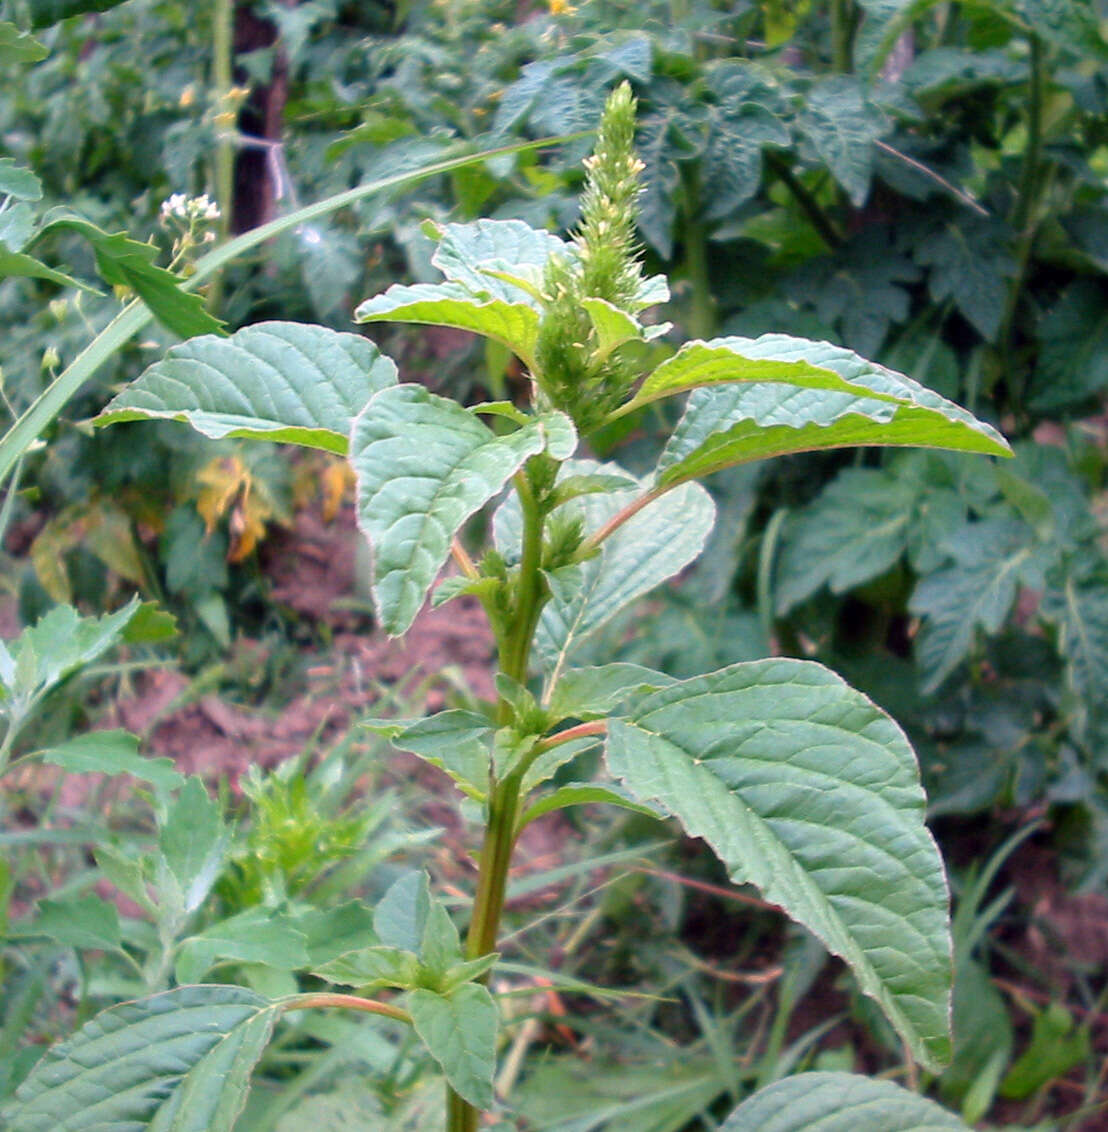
[[802, 786]]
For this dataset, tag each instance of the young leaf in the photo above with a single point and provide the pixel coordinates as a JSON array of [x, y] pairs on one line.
[[585, 793], [257, 935], [456, 741], [591, 693], [809, 792], [839, 1102], [193, 840], [424, 466], [736, 424], [400, 918], [279, 381], [136, 1066], [113, 752], [653, 545], [459, 1031], [371, 967]]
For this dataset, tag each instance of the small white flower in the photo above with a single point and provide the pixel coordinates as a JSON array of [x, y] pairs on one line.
[[176, 205]]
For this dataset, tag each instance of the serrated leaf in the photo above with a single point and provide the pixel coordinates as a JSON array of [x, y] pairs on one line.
[[81, 922], [737, 424], [424, 465], [400, 917], [808, 791], [853, 531], [459, 1031], [18, 47], [113, 752], [771, 358], [839, 1102], [1072, 366], [123, 262], [513, 324], [257, 935], [279, 381], [653, 545], [991, 560], [843, 126], [733, 160], [972, 264], [134, 1065]]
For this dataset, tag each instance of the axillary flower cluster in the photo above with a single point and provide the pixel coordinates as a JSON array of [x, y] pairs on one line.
[[575, 372]]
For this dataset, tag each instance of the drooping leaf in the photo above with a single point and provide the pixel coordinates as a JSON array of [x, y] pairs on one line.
[[991, 560], [113, 752], [653, 545], [279, 381], [456, 741], [842, 127], [424, 466], [123, 262], [808, 791], [736, 424], [772, 358], [839, 1102], [515, 325], [177, 1062], [459, 1031]]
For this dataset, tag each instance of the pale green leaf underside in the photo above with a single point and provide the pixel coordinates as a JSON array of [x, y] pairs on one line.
[[134, 1065], [773, 357], [737, 423], [839, 1102], [580, 794], [424, 465], [479, 255], [512, 324], [808, 791], [656, 543], [459, 1031], [279, 381]]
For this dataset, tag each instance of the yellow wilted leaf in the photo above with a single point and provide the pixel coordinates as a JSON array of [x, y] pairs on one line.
[[338, 476], [229, 488]]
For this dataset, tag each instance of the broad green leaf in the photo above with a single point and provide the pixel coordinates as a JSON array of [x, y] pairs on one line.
[[842, 127], [424, 466], [134, 1065], [733, 159], [331, 932], [808, 791], [591, 693], [17, 46], [194, 843], [991, 559], [854, 531], [257, 935], [279, 381], [736, 424], [515, 325], [401, 914], [456, 741], [839, 1102], [81, 922], [654, 544], [123, 262], [372, 967], [469, 253], [45, 13], [113, 752], [18, 182], [459, 1031], [770, 358], [581, 794]]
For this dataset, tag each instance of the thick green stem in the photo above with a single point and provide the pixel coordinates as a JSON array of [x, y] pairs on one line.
[[223, 17], [822, 223], [504, 796], [842, 36]]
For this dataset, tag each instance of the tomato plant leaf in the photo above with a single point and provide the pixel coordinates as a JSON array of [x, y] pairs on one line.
[[279, 381], [808, 791], [839, 1102]]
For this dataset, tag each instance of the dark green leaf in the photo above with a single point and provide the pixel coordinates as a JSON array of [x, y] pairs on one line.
[[842, 126], [809, 792], [1072, 368], [45, 13], [1055, 1048]]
